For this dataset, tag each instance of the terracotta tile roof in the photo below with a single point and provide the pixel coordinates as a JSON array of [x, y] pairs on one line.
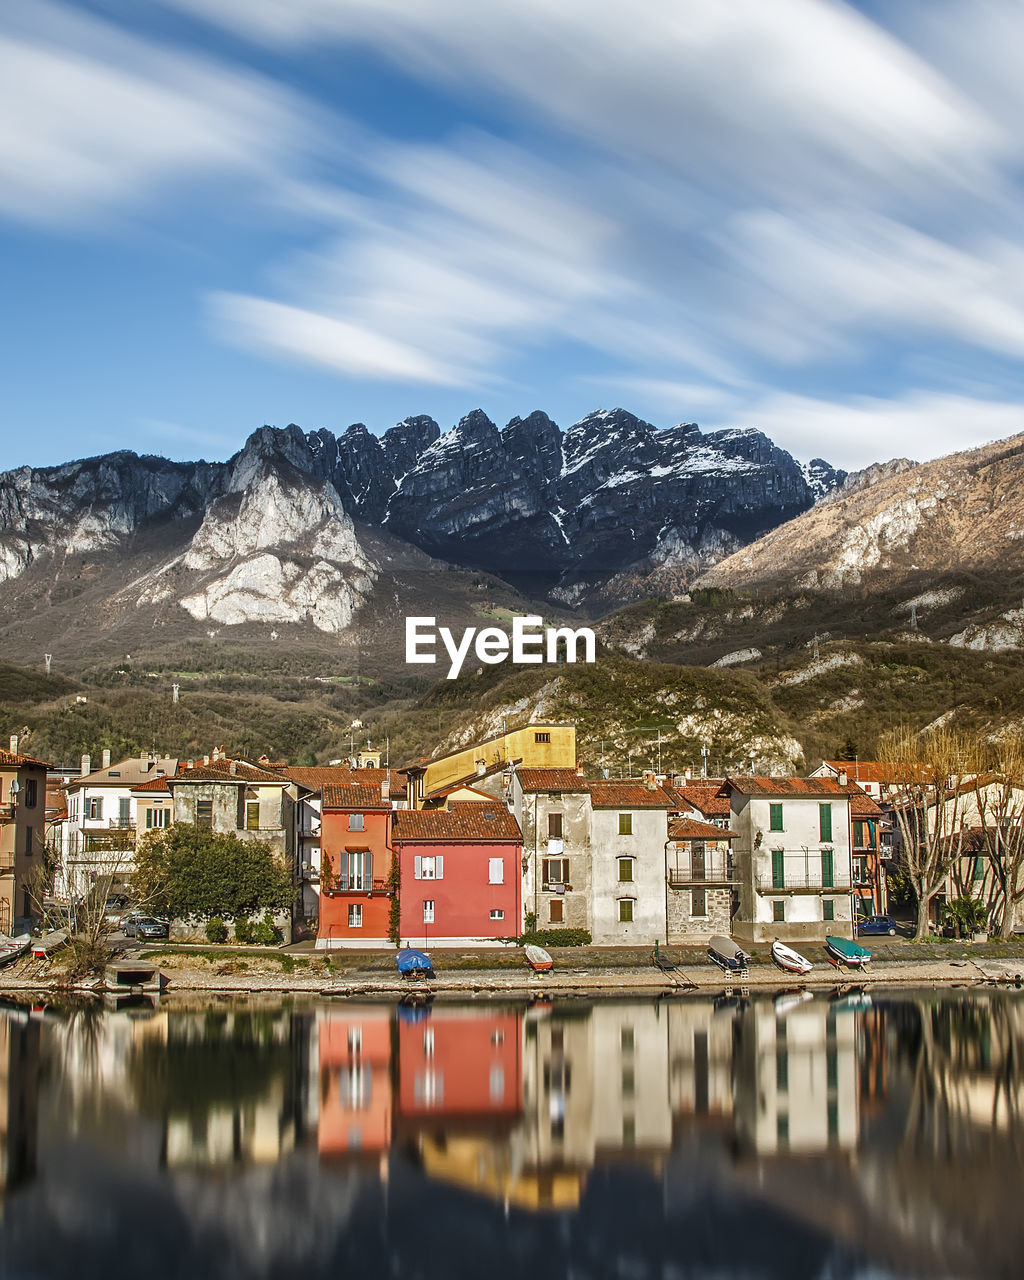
[[220, 771], [692, 829], [353, 795], [867, 770], [444, 792], [552, 780], [315, 777], [628, 793], [796, 788], [126, 773], [703, 796], [154, 784], [862, 806], [12, 760], [469, 821]]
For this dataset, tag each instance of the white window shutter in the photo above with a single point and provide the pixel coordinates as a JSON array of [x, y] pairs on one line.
[[439, 868], [368, 870], [417, 868], [497, 871]]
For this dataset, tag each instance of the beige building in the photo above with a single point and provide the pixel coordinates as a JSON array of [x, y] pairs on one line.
[[552, 807], [629, 831], [22, 837]]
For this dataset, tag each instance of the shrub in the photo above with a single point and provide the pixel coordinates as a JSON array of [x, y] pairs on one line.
[[243, 930], [556, 938], [216, 930], [264, 933]]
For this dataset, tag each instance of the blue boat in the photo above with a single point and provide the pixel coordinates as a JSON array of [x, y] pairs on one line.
[[414, 964]]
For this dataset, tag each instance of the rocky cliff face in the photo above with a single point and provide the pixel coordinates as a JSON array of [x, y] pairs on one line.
[[273, 534]]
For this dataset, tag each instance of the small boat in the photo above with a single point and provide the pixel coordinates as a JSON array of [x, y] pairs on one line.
[[538, 959], [414, 964], [789, 960], [727, 955], [12, 948], [841, 951], [45, 946]]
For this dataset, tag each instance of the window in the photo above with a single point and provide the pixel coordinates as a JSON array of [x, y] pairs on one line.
[[860, 835], [204, 814], [555, 871], [828, 909], [158, 818], [828, 877], [542, 737], [625, 824], [94, 808], [698, 902], [554, 826], [979, 869], [495, 870], [775, 817], [28, 841], [778, 911], [124, 811], [497, 915], [698, 863], [626, 910], [428, 910], [360, 870], [778, 868], [355, 822], [825, 821], [252, 815], [355, 915], [30, 793], [625, 870], [556, 913], [428, 868]]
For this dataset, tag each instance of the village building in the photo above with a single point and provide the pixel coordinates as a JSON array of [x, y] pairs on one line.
[[701, 880], [234, 796], [628, 837], [792, 856], [460, 875], [97, 839], [355, 863], [22, 837], [552, 808]]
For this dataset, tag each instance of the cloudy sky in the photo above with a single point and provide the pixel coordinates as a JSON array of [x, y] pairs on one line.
[[799, 215]]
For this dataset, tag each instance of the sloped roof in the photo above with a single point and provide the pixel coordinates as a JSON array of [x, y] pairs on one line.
[[552, 780], [628, 793], [126, 773], [867, 770], [353, 795], [466, 821], [703, 796], [220, 771], [795, 788], [862, 806], [316, 777], [692, 829], [12, 760], [154, 784]]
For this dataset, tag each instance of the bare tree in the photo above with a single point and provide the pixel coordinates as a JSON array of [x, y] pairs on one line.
[[933, 772], [999, 800]]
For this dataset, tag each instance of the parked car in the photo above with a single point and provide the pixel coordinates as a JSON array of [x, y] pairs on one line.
[[876, 926], [150, 927], [132, 919]]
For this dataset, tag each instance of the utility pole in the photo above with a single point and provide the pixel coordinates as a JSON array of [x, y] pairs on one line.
[[705, 752], [48, 657], [174, 692]]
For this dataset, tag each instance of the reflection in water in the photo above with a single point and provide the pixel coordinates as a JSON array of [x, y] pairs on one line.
[[795, 1137]]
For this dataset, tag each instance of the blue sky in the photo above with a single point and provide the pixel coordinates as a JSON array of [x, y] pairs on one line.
[[798, 215]]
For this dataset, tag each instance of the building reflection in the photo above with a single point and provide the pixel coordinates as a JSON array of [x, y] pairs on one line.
[[19, 1097]]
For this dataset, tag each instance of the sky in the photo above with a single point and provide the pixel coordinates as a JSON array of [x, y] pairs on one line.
[[801, 216]]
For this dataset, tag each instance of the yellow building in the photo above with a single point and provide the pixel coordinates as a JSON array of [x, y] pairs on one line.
[[535, 746], [22, 835]]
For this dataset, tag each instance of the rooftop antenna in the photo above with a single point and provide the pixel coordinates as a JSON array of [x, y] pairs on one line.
[[48, 658], [705, 752]]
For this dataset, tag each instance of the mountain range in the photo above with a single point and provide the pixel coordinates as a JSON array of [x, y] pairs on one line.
[[317, 529]]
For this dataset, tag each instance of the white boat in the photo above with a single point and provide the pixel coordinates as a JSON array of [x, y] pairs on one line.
[[538, 958], [12, 948], [44, 947], [786, 1001], [789, 960]]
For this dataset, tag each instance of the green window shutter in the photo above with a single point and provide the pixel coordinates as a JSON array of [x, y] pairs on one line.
[[828, 910], [825, 821], [979, 868], [827, 869], [625, 824], [778, 869], [778, 911], [775, 817]]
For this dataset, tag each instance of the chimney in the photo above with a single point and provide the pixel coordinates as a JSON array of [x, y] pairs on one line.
[[86, 765], [687, 775], [191, 764], [844, 778], [14, 744], [650, 780], [233, 768], [105, 758], [206, 759], [385, 790]]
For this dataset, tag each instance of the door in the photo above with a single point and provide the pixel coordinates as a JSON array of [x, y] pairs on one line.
[[778, 868], [698, 869], [827, 872]]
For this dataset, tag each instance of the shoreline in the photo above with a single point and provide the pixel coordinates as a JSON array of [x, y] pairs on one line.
[[567, 982]]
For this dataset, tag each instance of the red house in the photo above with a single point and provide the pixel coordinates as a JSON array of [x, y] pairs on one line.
[[355, 865], [460, 875]]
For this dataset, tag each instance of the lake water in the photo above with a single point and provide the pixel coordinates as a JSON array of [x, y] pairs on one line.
[[824, 1138]]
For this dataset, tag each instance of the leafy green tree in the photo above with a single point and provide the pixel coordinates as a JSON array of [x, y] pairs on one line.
[[188, 872]]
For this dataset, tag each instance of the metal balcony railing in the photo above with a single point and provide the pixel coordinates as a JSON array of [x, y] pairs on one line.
[[358, 884], [684, 878], [810, 881]]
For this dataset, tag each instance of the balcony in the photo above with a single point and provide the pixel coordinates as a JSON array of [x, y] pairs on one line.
[[6, 862], [711, 878], [357, 884], [6, 812], [803, 882]]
